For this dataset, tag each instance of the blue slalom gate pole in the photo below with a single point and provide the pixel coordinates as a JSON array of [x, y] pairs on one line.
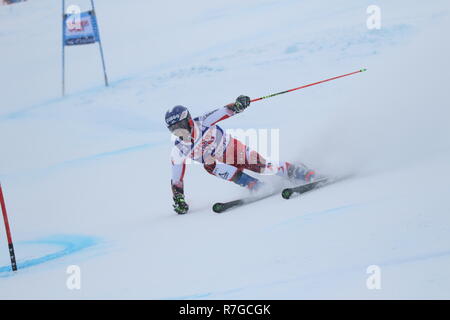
[[100, 45]]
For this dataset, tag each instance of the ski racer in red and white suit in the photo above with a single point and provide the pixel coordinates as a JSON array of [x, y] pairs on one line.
[[202, 140]]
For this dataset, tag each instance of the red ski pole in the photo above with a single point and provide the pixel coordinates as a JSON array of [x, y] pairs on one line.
[[8, 231], [308, 85]]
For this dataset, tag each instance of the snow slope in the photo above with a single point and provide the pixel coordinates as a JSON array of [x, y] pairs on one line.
[[86, 177]]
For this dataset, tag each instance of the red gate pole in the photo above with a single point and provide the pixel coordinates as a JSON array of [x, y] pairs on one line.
[[8, 231]]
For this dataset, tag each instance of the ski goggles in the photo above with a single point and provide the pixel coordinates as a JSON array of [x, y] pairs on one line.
[[183, 124]]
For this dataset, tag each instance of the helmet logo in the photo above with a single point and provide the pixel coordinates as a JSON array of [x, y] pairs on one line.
[[175, 115], [172, 119]]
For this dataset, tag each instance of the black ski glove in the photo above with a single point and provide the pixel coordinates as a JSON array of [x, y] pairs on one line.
[[180, 206], [241, 103]]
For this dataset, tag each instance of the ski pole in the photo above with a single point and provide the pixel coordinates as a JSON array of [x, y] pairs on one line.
[[308, 85], [8, 231]]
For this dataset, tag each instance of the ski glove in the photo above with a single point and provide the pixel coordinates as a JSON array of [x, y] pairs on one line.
[[241, 103], [180, 206]]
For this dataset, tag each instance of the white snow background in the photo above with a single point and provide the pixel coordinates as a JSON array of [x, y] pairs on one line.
[[87, 177]]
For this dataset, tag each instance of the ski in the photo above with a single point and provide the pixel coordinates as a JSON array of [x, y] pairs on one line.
[[220, 207], [288, 192]]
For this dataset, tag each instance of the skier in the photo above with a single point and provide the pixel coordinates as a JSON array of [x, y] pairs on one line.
[[223, 156]]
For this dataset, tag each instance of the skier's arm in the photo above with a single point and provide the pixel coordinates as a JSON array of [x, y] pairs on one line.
[[178, 168], [225, 112]]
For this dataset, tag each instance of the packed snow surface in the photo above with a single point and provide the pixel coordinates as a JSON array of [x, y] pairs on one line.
[[86, 177]]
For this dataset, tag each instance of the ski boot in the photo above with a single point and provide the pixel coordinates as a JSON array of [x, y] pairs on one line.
[[244, 180], [300, 173], [180, 206]]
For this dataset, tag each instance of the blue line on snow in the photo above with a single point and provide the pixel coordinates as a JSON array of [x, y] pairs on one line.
[[110, 153], [22, 112], [69, 243], [93, 157]]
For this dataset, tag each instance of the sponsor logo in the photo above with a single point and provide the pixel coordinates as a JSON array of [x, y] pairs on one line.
[[223, 175]]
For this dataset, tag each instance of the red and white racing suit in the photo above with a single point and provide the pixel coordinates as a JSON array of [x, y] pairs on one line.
[[221, 154]]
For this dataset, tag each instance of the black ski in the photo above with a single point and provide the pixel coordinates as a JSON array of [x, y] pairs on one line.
[[288, 192], [220, 207]]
